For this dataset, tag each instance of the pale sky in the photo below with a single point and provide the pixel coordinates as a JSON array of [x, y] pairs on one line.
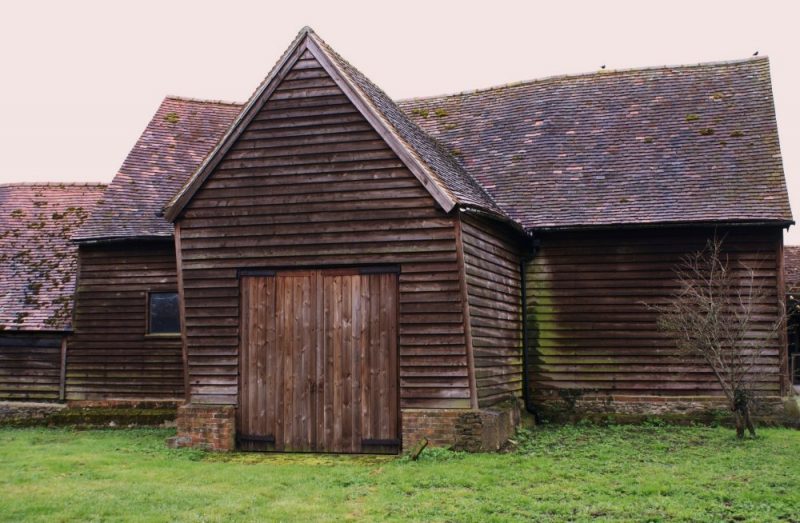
[[80, 80]]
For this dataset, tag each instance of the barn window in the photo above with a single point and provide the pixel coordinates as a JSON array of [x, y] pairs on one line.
[[163, 315]]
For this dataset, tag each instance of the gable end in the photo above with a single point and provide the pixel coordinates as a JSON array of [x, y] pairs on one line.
[[306, 45]]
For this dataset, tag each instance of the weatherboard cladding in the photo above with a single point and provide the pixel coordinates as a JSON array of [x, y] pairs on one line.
[[37, 260], [173, 145]]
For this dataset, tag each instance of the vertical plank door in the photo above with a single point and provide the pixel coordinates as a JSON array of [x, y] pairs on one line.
[[319, 362]]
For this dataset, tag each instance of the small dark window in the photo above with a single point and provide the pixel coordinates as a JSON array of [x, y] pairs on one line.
[[164, 316]]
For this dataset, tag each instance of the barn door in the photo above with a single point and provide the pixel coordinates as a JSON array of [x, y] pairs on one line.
[[319, 362]]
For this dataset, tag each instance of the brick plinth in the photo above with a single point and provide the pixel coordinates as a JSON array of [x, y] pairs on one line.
[[461, 429], [209, 427]]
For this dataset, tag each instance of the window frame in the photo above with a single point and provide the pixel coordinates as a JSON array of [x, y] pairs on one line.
[[147, 332]]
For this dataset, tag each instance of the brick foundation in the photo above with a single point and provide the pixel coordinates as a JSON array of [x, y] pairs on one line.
[[208, 427], [462, 429]]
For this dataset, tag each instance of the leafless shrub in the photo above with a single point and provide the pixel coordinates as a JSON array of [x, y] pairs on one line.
[[718, 316]]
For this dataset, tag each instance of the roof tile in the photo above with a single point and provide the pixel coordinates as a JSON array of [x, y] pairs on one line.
[[38, 262], [661, 145], [173, 145]]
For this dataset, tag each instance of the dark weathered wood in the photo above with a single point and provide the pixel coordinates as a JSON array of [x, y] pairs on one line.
[[467, 317], [493, 286], [783, 361], [588, 327], [110, 355], [62, 375], [309, 184], [30, 366], [182, 298], [331, 376]]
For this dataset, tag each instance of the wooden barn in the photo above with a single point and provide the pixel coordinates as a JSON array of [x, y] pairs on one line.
[[326, 269]]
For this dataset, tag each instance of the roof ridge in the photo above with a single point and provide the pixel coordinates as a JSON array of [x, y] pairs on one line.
[[54, 184], [202, 100], [573, 76]]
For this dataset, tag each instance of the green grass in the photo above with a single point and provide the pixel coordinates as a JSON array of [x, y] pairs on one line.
[[570, 473]]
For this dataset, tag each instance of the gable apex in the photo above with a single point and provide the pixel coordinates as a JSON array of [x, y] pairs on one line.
[[308, 43]]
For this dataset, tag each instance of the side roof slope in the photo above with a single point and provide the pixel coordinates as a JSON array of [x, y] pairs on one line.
[[647, 146], [173, 145], [38, 262]]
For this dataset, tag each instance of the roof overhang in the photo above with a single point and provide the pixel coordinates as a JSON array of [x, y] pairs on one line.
[[122, 239], [781, 223]]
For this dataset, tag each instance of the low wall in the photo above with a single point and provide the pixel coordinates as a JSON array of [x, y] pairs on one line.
[[88, 414], [677, 409], [207, 427], [461, 429], [213, 427]]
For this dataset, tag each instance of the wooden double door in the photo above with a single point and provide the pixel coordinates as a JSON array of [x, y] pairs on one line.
[[318, 361]]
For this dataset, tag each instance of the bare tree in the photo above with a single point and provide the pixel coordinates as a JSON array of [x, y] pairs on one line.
[[717, 315]]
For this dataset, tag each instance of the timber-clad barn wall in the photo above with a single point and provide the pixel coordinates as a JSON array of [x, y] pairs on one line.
[[588, 327], [110, 355], [310, 183], [492, 276], [30, 366]]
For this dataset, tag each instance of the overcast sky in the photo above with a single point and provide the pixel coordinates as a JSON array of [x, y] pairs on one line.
[[80, 80]]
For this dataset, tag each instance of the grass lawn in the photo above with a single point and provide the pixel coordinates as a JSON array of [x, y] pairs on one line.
[[572, 473]]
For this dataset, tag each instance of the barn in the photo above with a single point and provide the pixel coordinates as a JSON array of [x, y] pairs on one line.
[[325, 269]]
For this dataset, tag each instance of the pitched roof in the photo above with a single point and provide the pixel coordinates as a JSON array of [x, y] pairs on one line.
[[438, 171], [664, 145], [647, 146], [176, 140], [791, 264], [38, 262]]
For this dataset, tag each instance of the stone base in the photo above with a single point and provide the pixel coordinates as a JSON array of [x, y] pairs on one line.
[[207, 427], [631, 409], [23, 412], [142, 404], [791, 409], [88, 415], [462, 429]]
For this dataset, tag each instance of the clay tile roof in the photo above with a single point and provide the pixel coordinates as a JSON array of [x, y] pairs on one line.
[[791, 264], [173, 145], [38, 262], [661, 145]]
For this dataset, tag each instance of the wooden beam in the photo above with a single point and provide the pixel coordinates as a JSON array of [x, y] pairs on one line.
[[786, 378], [473, 387], [62, 383], [182, 313]]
